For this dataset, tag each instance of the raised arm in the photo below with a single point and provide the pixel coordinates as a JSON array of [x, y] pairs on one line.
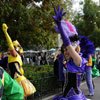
[[9, 41], [64, 35]]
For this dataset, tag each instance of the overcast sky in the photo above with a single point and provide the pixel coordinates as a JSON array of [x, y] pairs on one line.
[[76, 5]]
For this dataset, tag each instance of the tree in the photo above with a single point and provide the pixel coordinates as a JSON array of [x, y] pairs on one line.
[[31, 26], [88, 24]]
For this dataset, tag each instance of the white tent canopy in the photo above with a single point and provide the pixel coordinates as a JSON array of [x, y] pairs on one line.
[[98, 49]]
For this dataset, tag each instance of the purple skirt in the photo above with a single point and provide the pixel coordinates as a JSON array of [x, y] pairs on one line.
[[74, 97]]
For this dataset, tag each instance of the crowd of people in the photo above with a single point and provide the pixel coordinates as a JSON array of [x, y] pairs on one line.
[[74, 60], [42, 58]]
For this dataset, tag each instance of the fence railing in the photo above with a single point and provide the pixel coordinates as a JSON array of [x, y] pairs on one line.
[[45, 87]]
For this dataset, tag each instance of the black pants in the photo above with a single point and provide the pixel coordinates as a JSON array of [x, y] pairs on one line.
[[71, 83]]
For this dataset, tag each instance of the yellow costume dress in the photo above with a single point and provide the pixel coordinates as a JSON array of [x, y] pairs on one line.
[[15, 65]]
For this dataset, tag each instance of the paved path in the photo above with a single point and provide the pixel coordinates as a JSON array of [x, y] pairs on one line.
[[97, 89], [85, 90]]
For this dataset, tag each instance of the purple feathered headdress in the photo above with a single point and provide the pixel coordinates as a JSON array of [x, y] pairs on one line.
[[71, 31], [87, 47], [68, 27]]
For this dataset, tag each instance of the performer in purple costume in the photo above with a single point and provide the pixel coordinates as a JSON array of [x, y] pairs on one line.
[[71, 51]]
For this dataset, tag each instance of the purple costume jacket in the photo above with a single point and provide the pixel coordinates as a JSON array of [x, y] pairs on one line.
[[72, 68]]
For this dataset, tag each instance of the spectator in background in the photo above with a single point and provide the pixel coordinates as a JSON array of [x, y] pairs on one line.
[[47, 56], [98, 66], [34, 59], [95, 68], [43, 60], [93, 65], [98, 60], [88, 75], [28, 60], [56, 66], [93, 60], [2, 55], [3, 63], [39, 59]]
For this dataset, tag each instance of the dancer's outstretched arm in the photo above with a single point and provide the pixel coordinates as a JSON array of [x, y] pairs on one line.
[[9, 41], [64, 35]]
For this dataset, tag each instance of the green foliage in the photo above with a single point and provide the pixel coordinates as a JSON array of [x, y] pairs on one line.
[[37, 72], [88, 23], [31, 26]]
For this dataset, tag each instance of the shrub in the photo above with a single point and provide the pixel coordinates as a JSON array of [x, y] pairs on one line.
[[36, 72]]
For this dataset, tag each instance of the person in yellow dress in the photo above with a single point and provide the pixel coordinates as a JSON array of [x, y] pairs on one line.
[[88, 76], [15, 64]]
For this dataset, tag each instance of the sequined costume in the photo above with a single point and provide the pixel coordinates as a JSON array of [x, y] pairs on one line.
[[72, 90], [15, 64]]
